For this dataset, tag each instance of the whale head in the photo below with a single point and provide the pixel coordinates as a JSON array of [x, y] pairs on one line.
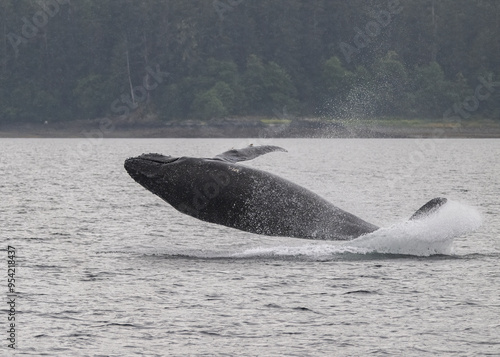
[[188, 184], [201, 187], [147, 166]]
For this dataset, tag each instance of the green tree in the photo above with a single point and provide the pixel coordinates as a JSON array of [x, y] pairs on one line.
[[208, 105], [337, 80], [253, 84], [432, 93], [267, 87], [92, 96], [66, 61]]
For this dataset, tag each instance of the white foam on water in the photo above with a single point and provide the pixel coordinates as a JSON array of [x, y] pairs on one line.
[[423, 237], [322, 251]]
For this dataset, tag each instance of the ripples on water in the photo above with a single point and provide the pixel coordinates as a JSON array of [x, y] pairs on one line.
[[107, 269]]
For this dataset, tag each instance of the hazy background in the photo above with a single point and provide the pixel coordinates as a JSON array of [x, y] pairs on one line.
[[203, 59]]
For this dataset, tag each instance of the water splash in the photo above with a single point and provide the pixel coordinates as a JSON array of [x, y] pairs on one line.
[[424, 237], [310, 251]]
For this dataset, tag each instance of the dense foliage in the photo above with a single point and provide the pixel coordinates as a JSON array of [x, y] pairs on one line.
[[203, 59]]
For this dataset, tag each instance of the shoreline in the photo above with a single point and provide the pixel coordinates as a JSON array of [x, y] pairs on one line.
[[254, 128]]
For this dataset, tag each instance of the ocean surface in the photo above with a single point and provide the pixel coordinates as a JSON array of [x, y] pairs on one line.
[[105, 268]]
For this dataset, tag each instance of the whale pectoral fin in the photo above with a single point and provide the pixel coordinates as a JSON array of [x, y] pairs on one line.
[[430, 207], [248, 153]]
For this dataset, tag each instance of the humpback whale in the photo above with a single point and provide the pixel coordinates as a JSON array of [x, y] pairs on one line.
[[219, 190]]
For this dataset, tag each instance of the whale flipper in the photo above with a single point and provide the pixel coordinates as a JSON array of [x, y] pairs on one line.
[[430, 207], [248, 153]]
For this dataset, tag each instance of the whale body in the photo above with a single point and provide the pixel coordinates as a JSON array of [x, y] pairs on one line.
[[220, 191]]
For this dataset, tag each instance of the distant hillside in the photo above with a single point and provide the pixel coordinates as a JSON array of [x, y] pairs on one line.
[[204, 59]]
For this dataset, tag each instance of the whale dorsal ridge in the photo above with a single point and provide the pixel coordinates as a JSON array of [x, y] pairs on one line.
[[248, 153]]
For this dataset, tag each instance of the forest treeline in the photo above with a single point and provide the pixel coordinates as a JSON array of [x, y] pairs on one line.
[[204, 59]]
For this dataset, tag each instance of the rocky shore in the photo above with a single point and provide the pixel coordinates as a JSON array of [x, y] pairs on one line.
[[253, 128]]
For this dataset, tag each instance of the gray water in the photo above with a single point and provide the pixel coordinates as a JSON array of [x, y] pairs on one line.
[[105, 268]]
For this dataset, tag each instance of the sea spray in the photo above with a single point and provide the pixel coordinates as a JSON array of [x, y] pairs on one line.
[[428, 236], [424, 237]]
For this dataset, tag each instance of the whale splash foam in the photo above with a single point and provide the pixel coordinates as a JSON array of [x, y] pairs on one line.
[[428, 236], [424, 237]]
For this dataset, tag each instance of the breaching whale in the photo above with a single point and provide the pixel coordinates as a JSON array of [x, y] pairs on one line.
[[219, 190]]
